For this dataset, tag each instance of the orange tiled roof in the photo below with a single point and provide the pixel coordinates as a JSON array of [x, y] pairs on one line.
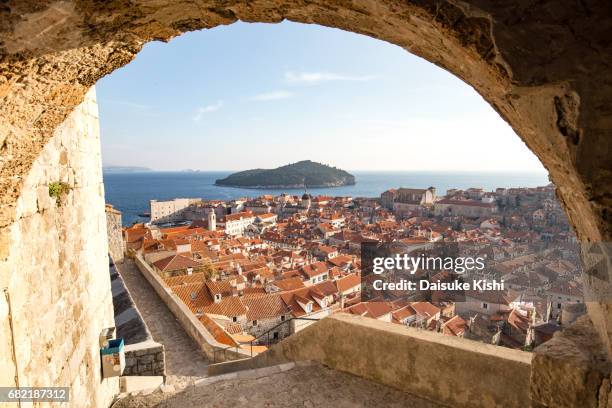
[[425, 309], [314, 269], [185, 279], [218, 332], [228, 306], [264, 307], [289, 283], [348, 282], [176, 262]]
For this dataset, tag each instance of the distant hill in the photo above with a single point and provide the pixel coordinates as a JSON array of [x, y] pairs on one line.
[[125, 169], [297, 175]]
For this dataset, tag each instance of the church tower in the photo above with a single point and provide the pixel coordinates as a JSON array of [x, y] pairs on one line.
[[306, 200], [212, 221]]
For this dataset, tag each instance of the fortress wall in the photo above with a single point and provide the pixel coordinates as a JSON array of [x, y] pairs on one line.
[[56, 269]]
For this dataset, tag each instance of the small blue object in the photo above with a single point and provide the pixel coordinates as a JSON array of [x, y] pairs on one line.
[[114, 346]]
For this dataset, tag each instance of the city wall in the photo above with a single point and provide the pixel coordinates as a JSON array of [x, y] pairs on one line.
[[213, 350], [54, 268]]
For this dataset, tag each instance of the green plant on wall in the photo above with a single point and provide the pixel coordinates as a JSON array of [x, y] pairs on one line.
[[57, 189]]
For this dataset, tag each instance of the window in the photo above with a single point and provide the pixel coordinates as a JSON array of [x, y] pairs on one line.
[[254, 322], [275, 336], [282, 318], [234, 319], [558, 305], [485, 305]]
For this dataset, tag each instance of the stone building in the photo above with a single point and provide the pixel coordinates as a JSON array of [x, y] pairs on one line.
[[171, 210], [267, 314], [410, 199], [464, 208], [387, 198], [236, 224]]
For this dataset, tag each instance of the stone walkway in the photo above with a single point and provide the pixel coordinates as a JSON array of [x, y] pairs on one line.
[[303, 386], [184, 361]]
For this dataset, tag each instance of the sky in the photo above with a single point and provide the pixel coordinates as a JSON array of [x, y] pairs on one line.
[[264, 95]]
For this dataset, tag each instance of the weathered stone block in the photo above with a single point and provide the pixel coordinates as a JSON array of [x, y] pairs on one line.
[[146, 359], [571, 369]]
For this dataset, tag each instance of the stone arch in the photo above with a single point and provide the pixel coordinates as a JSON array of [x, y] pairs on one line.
[[532, 64], [544, 67]]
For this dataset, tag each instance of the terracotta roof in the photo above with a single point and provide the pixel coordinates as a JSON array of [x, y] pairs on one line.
[[314, 269], [228, 306], [425, 309], [348, 282], [455, 326], [194, 295], [265, 307], [403, 313], [290, 299], [341, 260], [239, 216], [176, 262], [325, 288], [185, 279], [223, 288], [217, 331], [370, 309], [289, 283]]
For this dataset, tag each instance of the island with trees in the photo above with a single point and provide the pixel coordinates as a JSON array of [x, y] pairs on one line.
[[302, 174]]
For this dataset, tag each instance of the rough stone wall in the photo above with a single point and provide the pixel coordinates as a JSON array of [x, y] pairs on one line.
[[264, 325], [116, 246], [145, 358], [57, 268]]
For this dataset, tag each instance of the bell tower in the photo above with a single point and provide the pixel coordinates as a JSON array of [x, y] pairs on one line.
[[212, 221]]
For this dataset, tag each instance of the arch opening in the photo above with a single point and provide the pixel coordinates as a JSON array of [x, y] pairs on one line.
[[554, 106]]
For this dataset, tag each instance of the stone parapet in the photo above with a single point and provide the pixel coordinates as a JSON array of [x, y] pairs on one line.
[[443, 369], [145, 359]]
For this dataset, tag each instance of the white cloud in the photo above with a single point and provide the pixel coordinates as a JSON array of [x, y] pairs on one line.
[[202, 110], [316, 77], [272, 96]]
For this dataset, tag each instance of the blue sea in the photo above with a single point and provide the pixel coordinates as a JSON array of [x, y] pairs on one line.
[[130, 192]]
